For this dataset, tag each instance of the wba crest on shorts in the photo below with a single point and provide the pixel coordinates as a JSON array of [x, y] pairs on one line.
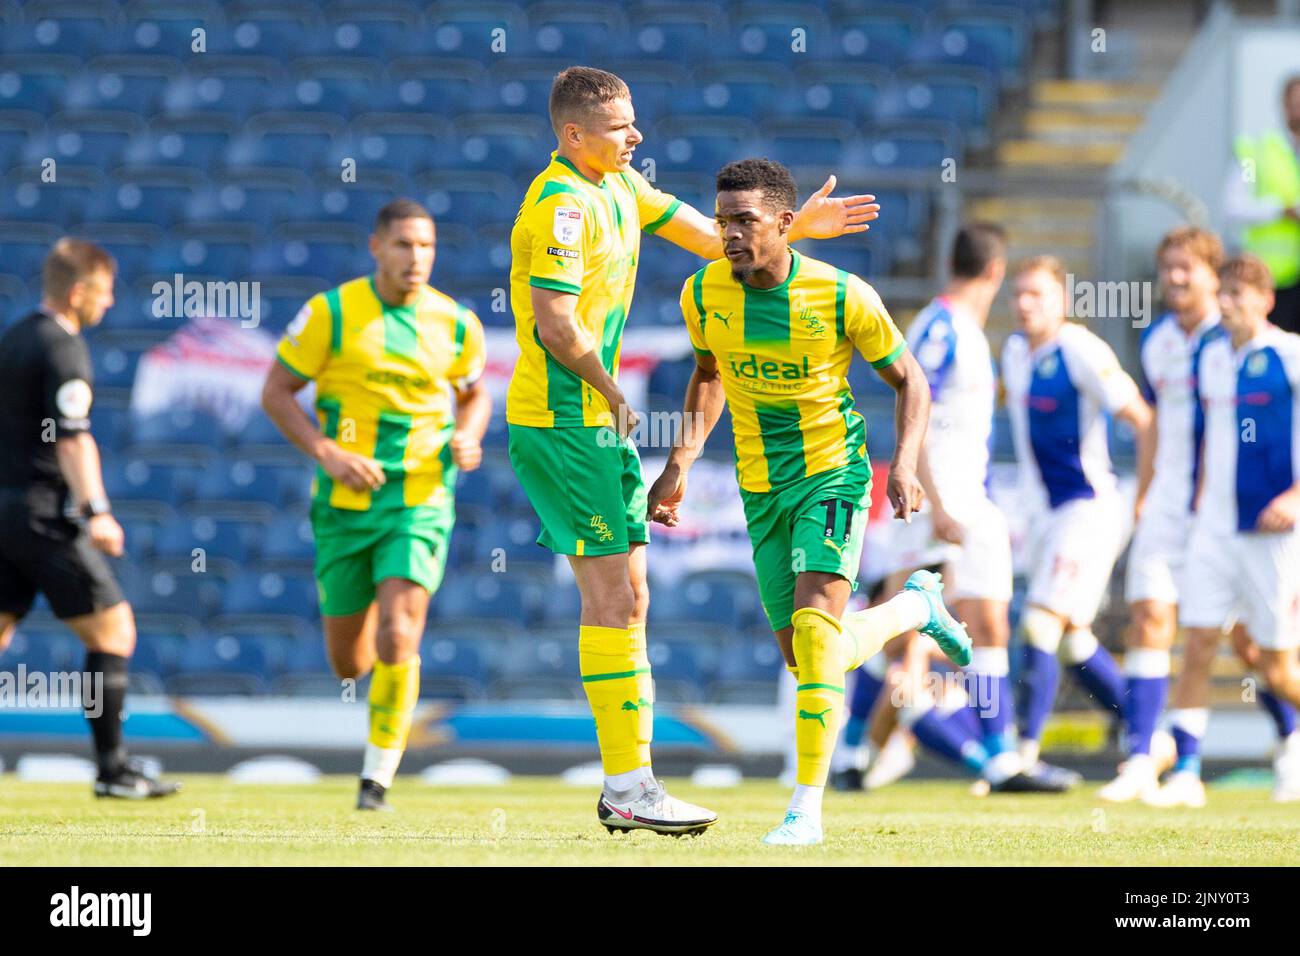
[[567, 224]]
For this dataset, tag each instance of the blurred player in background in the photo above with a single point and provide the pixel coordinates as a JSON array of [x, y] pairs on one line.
[[1187, 263], [389, 356], [1060, 382], [55, 519], [1263, 199], [948, 339], [1244, 555], [773, 333], [574, 248]]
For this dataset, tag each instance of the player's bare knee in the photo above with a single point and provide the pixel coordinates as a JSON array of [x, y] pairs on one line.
[[8, 627], [1278, 668]]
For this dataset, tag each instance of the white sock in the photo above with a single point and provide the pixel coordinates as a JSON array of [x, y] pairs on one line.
[[380, 764], [872, 628], [808, 800], [1029, 750], [623, 782]]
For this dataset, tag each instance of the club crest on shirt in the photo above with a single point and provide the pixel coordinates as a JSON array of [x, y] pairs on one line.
[[1257, 365], [567, 223], [1047, 367]]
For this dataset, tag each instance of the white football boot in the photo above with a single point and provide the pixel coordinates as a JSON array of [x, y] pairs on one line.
[[1286, 770], [797, 829], [1136, 781], [650, 807], [894, 762], [1183, 789]]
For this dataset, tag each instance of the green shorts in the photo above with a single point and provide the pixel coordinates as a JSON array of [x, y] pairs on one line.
[[813, 524], [355, 550], [585, 485]]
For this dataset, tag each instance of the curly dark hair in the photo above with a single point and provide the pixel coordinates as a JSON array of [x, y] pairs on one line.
[[766, 175]]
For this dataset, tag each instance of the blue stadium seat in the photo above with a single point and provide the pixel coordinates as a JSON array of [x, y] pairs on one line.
[[36, 82], [285, 139], [47, 647], [160, 649], [81, 30], [271, 592], [235, 86], [400, 142], [1003, 32], [954, 47], [961, 97], [879, 34], [241, 480], [92, 137], [135, 84], [158, 195], [266, 197], [913, 146], [687, 32], [734, 88], [844, 90], [25, 198], [577, 31], [288, 540], [517, 540], [472, 198], [770, 30], [373, 29], [466, 27], [340, 84], [136, 479], [109, 425], [115, 367], [161, 591], [260, 431], [221, 667], [164, 26], [726, 599], [748, 671], [811, 141], [180, 426], [188, 141], [451, 669], [217, 538], [419, 84], [546, 655], [702, 143], [486, 596], [275, 32]]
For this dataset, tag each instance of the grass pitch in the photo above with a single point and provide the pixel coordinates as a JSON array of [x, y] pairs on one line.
[[544, 822]]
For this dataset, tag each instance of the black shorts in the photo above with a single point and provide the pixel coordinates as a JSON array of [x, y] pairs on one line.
[[53, 556]]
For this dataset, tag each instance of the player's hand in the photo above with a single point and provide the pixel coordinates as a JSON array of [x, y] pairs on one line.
[[106, 535], [466, 451], [625, 418], [904, 491], [945, 527], [1281, 514], [355, 471], [664, 500], [824, 217]]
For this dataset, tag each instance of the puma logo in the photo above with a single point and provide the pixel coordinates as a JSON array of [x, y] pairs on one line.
[[724, 319], [820, 718], [640, 702], [837, 548]]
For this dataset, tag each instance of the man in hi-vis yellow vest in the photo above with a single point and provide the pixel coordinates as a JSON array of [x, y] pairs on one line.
[[1264, 201]]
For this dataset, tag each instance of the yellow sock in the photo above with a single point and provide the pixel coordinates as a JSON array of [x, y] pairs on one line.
[[645, 693], [394, 690], [876, 626], [610, 678], [821, 660]]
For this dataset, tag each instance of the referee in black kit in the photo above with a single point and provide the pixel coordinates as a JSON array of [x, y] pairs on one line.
[[55, 524]]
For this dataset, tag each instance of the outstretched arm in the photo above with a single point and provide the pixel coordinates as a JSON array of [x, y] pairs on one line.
[[911, 416], [700, 412], [821, 217]]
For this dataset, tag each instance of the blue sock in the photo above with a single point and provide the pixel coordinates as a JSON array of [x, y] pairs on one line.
[[948, 739], [1188, 727], [1101, 677], [1038, 679], [1144, 699], [1281, 711], [991, 707], [866, 689]]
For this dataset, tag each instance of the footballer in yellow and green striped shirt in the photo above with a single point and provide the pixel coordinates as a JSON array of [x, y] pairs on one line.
[[575, 248], [399, 410], [774, 333]]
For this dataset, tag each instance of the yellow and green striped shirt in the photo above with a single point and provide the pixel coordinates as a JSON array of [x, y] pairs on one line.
[[385, 377], [783, 354], [573, 235]]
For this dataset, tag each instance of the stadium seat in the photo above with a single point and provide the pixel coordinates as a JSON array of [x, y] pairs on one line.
[[159, 590], [265, 197], [880, 34], [220, 667], [466, 27], [810, 141], [158, 195], [186, 141], [135, 84], [419, 84], [451, 670], [484, 596], [35, 82], [45, 646], [772, 30], [271, 592], [542, 666], [76, 29], [179, 426], [233, 86], [514, 540], [371, 28], [215, 538], [693, 32], [844, 90], [288, 541], [715, 597], [747, 672], [141, 480]]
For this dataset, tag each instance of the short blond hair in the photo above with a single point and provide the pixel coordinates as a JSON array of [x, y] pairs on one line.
[[1249, 270], [1049, 264], [1201, 243], [69, 262]]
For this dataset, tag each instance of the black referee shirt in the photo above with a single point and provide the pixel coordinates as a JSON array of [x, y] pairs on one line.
[[45, 394]]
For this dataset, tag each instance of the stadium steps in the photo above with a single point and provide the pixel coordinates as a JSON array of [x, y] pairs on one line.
[[1077, 123]]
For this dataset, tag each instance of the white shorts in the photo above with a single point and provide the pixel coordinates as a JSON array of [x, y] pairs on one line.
[[977, 569], [1072, 552], [1157, 557], [1254, 576]]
